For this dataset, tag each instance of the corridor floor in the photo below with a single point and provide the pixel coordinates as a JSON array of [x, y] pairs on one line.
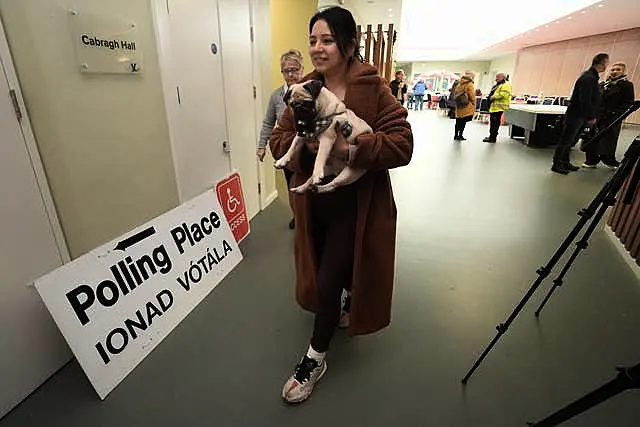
[[475, 222]]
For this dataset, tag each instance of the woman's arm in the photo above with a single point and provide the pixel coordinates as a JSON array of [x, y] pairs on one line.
[[267, 124], [391, 144]]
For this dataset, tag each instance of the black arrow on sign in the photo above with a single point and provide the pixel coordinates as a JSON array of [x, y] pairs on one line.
[[130, 241]]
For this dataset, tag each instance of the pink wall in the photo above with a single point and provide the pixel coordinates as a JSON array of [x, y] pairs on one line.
[[553, 68]]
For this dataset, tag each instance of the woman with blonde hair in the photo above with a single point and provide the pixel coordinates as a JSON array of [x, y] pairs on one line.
[[617, 97], [465, 100], [292, 71]]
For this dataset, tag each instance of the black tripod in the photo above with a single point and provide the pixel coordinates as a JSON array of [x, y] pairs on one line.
[[603, 200], [628, 378]]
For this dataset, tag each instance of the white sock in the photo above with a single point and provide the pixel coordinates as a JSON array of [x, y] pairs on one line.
[[315, 355]]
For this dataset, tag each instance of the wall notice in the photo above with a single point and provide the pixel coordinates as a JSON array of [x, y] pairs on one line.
[[116, 303], [105, 45]]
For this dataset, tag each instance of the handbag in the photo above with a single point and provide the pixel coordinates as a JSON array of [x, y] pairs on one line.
[[461, 100]]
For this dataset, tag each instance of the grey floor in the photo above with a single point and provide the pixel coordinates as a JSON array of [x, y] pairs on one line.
[[475, 221]]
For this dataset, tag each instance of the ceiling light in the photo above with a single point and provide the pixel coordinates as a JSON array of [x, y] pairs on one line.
[[546, 26], [389, 10], [583, 12], [569, 18], [600, 5]]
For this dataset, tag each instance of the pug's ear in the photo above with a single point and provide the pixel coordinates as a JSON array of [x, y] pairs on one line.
[[313, 87], [287, 96]]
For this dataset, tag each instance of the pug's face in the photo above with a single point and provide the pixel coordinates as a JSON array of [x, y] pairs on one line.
[[301, 92], [302, 99]]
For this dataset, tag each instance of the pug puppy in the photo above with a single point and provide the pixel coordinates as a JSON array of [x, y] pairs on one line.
[[319, 114]]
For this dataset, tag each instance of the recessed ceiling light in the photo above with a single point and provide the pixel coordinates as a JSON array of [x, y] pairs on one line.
[[546, 26], [537, 29], [583, 12], [390, 10], [569, 18], [600, 5]]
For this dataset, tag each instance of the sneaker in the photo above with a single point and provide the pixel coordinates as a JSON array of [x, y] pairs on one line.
[[589, 166], [305, 376], [612, 165], [345, 320]]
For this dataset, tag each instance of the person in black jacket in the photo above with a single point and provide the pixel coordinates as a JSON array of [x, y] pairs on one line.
[[583, 109], [399, 87], [617, 97]]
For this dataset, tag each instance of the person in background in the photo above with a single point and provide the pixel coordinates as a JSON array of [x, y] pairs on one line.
[[345, 239], [617, 97], [465, 99], [292, 71], [399, 87], [451, 103], [418, 92], [582, 109], [410, 96], [499, 101]]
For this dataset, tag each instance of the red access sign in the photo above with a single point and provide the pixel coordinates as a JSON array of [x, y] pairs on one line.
[[230, 196]]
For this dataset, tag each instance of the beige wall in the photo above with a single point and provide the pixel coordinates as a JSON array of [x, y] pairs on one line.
[[504, 64], [103, 138], [289, 30], [553, 68]]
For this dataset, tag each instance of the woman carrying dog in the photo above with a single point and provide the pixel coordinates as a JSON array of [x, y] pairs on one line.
[[345, 239], [292, 71]]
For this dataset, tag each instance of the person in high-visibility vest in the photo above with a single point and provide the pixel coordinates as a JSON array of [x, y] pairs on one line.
[[499, 100]]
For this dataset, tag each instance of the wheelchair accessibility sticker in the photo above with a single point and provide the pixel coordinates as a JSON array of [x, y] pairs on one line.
[[229, 192]]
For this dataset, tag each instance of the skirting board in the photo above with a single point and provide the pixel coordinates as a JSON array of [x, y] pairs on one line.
[[270, 199], [623, 251]]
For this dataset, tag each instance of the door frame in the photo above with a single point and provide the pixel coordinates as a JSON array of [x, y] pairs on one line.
[[259, 104], [29, 139]]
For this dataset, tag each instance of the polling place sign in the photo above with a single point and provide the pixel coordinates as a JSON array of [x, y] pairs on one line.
[[116, 303]]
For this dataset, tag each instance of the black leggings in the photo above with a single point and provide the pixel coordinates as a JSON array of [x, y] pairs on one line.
[[333, 226], [461, 123]]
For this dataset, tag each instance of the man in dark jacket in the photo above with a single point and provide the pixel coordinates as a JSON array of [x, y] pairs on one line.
[[617, 97], [583, 109], [399, 87]]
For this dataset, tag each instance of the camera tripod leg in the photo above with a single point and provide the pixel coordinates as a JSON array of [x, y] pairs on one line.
[[606, 200], [604, 196], [627, 378], [580, 246]]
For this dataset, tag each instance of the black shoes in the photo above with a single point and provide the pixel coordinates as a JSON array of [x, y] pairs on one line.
[[459, 138], [489, 139], [564, 168]]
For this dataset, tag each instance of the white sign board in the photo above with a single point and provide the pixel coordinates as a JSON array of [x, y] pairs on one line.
[[105, 45], [116, 303]]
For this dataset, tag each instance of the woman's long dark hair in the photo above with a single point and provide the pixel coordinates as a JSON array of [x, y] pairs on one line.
[[343, 28]]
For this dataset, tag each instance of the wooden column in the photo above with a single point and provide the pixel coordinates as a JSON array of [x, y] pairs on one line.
[[389, 56], [625, 221], [377, 54], [367, 45]]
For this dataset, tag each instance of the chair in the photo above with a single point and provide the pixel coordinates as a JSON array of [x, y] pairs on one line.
[[549, 101], [519, 100]]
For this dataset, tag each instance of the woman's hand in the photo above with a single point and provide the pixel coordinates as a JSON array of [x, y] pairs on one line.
[[261, 153]]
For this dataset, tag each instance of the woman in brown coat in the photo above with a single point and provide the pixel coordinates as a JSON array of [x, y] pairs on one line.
[[465, 99], [345, 239]]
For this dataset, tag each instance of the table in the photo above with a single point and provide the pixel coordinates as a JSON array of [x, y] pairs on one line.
[[536, 124]]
